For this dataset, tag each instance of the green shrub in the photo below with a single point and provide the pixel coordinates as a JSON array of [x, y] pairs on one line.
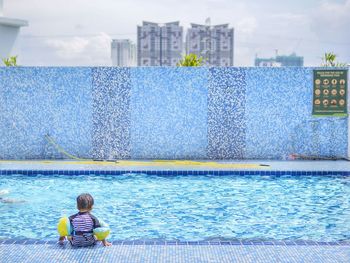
[[329, 60], [191, 60], [10, 62]]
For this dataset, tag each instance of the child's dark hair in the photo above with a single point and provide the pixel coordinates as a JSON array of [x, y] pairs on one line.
[[85, 202]]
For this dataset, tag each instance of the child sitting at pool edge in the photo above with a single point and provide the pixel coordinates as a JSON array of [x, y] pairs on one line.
[[83, 223]]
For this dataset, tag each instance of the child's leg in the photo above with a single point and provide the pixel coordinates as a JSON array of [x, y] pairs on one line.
[[61, 239], [106, 243]]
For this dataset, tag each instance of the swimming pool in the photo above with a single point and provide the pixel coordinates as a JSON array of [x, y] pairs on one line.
[[184, 207]]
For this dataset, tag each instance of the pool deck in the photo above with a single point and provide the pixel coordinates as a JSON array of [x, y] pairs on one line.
[[175, 253], [133, 252], [176, 165]]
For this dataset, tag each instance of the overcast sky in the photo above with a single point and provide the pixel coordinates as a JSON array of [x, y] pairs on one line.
[[78, 32]]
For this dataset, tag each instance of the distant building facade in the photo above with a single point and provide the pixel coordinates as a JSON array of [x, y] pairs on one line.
[[123, 53], [159, 44], [214, 43], [280, 61]]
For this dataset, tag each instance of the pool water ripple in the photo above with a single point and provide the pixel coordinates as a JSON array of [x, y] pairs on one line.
[[184, 207]]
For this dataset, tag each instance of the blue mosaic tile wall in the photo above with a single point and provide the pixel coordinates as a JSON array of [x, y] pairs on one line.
[[226, 110], [169, 113], [279, 118], [111, 113], [163, 113], [39, 101]]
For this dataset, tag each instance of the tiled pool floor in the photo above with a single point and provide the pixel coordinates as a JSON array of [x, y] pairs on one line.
[[174, 253]]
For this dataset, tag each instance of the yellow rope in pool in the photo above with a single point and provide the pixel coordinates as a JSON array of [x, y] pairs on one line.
[[61, 150]]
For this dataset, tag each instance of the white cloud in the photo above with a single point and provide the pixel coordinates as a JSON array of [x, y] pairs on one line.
[[68, 48], [332, 17], [330, 22], [247, 25], [334, 13], [294, 19], [83, 51]]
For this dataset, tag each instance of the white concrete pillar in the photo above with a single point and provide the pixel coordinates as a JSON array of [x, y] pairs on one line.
[[1, 8]]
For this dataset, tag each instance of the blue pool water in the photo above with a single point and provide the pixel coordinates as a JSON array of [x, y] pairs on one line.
[[194, 208]]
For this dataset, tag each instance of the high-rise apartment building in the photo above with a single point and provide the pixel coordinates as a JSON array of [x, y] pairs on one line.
[[159, 44], [123, 53], [214, 43]]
